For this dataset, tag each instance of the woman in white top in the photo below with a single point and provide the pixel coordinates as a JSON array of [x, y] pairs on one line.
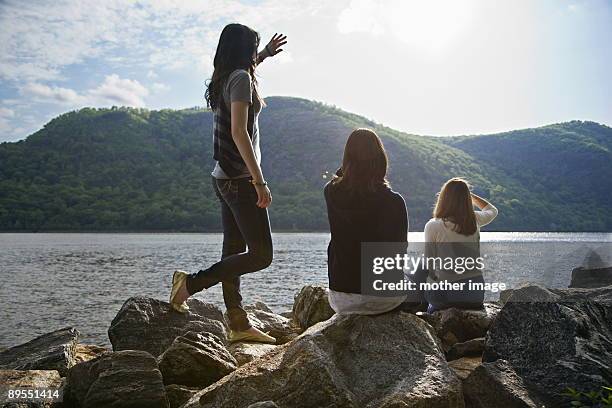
[[454, 231]]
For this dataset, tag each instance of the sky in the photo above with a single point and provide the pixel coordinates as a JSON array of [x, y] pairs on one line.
[[432, 67]]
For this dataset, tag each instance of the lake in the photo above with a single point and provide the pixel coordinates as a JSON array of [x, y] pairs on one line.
[[53, 280]]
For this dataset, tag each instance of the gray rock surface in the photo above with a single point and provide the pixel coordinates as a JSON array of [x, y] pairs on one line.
[[277, 326], [20, 379], [247, 352], [149, 325], [469, 348], [563, 338], [463, 367], [459, 325], [591, 278], [51, 351], [263, 404], [179, 394], [196, 360], [391, 360], [126, 379], [311, 306], [86, 352], [495, 385]]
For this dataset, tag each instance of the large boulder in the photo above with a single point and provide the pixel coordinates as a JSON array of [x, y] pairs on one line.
[[150, 325], [247, 352], [390, 360], [51, 351], [277, 326], [455, 325], [126, 379], [493, 385], [20, 379], [196, 360], [591, 278], [311, 306], [561, 338]]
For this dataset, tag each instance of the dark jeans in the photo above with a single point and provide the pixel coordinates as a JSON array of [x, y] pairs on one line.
[[247, 246], [444, 299]]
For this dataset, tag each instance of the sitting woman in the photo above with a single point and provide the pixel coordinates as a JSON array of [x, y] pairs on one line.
[[454, 231], [361, 207]]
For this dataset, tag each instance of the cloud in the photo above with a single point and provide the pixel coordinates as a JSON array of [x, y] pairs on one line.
[[127, 92], [44, 93], [159, 87], [114, 90], [430, 25], [6, 113], [361, 16], [38, 40]]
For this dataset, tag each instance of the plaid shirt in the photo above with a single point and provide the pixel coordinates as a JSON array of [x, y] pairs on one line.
[[225, 150]]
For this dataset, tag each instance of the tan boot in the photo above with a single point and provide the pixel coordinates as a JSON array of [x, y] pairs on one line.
[[177, 281], [244, 336]]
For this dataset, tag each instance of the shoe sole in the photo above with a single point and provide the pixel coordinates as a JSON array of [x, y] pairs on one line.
[[253, 339]]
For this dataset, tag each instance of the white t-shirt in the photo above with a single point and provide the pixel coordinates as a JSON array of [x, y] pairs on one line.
[[438, 230]]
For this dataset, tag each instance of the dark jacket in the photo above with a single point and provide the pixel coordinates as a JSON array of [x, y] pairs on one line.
[[379, 216]]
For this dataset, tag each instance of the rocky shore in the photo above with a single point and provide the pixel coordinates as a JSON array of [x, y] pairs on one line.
[[523, 351]]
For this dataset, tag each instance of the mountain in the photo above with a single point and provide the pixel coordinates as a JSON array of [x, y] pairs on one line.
[[135, 169]]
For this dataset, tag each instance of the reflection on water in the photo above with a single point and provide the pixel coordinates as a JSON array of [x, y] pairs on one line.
[[54, 280]]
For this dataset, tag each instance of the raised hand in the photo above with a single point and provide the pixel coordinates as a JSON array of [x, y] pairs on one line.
[[274, 46]]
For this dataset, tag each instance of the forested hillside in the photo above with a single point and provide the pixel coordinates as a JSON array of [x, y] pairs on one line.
[[134, 169]]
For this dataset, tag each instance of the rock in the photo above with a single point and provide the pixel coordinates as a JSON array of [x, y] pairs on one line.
[[591, 278], [121, 379], [311, 306], [149, 325], [288, 314], [269, 322], [527, 292], [459, 325], [19, 379], [384, 361], [51, 351], [470, 348], [247, 352], [179, 394], [563, 338], [493, 385], [196, 360], [463, 367], [263, 404], [86, 352]]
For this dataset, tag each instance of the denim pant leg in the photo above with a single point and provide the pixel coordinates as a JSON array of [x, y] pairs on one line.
[[233, 243], [463, 299], [252, 222]]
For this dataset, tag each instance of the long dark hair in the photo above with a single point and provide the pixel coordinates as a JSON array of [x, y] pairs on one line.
[[237, 49], [364, 165], [454, 204]]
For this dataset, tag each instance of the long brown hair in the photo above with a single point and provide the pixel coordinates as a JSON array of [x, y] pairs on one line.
[[455, 204], [364, 165], [236, 49]]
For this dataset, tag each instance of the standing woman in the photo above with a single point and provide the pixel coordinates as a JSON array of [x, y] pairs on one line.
[[237, 178]]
